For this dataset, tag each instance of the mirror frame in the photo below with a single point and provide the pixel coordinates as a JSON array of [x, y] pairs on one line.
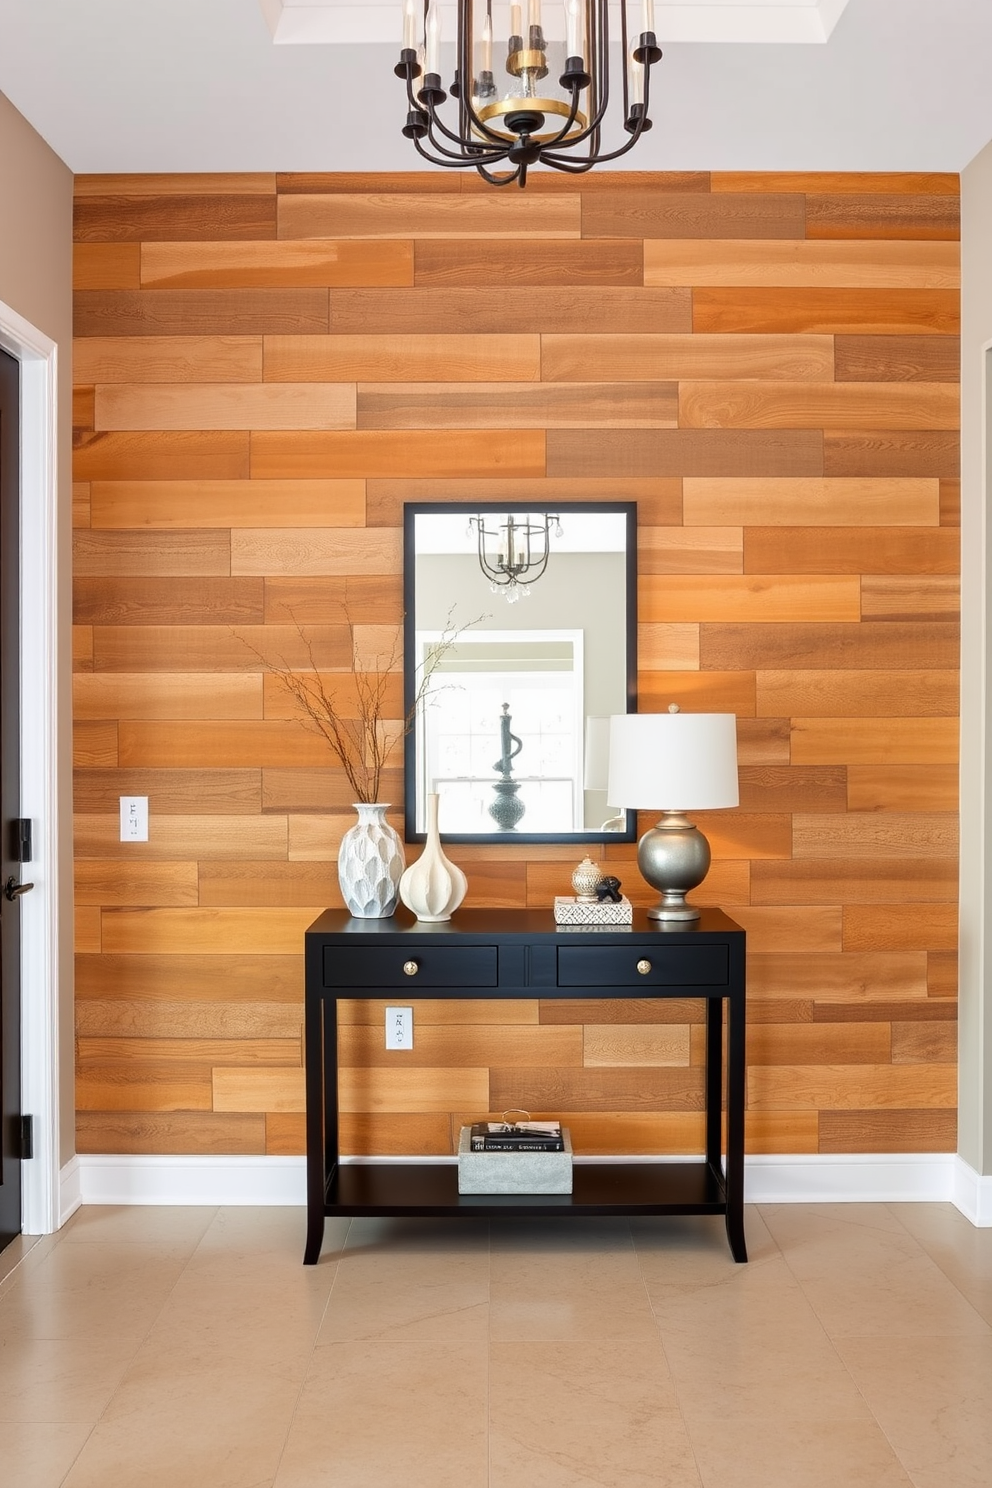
[[413, 509]]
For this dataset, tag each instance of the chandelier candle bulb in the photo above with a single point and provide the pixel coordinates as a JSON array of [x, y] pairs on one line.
[[648, 24], [410, 25], [516, 27], [434, 39], [573, 29], [636, 81]]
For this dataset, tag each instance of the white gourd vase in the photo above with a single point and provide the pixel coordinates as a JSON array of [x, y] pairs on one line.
[[433, 886], [370, 863]]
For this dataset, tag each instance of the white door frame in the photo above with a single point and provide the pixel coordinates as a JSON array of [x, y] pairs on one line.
[[40, 1008]]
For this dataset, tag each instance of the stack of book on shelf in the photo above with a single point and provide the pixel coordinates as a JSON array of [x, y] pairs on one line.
[[518, 1136], [515, 1157]]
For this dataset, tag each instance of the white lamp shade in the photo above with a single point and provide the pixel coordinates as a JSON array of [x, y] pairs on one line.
[[673, 761]]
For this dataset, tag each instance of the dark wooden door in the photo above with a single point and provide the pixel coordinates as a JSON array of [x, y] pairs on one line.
[[10, 980]]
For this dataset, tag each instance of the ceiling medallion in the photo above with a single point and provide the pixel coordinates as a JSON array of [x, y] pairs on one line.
[[505, 121]]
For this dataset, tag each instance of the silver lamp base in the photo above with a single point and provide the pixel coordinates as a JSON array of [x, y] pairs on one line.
[[673, 857]]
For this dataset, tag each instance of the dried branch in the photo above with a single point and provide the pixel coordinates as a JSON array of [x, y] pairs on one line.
[[361, 745]]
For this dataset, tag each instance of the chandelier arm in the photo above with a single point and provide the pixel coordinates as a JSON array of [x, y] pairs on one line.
[[486, 152], [570, 167], [453, 162], [498, 180], [639, 128]]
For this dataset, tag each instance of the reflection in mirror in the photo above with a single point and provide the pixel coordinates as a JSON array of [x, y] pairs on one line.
[[528, 619]]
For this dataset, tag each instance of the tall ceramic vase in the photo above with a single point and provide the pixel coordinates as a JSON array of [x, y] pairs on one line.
[[370, 863], [433, 886]]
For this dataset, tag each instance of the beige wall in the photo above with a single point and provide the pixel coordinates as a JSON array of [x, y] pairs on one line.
[[975, 1131], [36, 282]]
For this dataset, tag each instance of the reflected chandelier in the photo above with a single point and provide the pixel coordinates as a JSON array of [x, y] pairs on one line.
[[531, 121], [515, 554]]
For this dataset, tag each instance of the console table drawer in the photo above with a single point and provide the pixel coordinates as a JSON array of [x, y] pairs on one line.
[[643, 966], [366, 967]]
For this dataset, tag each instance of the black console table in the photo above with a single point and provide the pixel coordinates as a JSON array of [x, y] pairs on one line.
[[512, 954]]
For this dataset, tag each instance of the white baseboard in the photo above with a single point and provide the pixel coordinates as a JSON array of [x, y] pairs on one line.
[[806, 1179], [70, 1190], [972, 1194], [110, 1179]]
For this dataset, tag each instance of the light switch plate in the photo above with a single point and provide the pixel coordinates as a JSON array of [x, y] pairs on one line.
[[134, 818]]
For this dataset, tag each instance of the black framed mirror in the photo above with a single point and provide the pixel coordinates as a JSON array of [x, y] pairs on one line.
[[520, 641]]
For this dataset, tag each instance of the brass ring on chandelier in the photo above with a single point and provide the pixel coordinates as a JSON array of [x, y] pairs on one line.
[[527, 60], [505, 106]]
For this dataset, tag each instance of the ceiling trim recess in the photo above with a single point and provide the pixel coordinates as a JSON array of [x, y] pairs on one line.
[[341, 22]]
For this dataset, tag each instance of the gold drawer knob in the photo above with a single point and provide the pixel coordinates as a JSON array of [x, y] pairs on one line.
[[410, 968], [644, 967]]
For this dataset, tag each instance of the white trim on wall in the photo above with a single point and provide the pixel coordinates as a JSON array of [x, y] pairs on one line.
[[38, 356], [807, 1179]]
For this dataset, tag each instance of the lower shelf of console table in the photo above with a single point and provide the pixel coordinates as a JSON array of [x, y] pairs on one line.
[[508, 955], [423, 1189]]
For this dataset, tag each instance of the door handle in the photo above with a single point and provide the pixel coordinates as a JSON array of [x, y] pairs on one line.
[[13, 890]]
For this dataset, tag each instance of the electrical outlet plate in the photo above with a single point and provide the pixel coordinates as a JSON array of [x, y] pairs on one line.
[[399, 1028], [134, 818]]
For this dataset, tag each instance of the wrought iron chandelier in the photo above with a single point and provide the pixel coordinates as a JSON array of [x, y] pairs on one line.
[[531, 121], [517, 554]]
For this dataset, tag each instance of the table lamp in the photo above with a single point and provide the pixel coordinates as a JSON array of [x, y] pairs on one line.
[[673, 762]]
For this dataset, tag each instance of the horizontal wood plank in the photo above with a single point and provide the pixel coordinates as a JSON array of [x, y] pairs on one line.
[[858, 694], [826, 311], [182, 552], [847, 405], [748, 597], [875, 550], [575, 309], [138, 218], [693, 215], [168, 359], [201, 312], [875, 741], [384, 358], [179, 695], [447, 262], [227, 503], [508, 405], [288, 405], [631, 357], [277, 456], [260, 265], [684, 452], [902, 787], [863, 647], [802, 262], [405, 215], [810, 502]]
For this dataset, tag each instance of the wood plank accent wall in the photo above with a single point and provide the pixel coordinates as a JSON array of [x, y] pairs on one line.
[[266, 369]]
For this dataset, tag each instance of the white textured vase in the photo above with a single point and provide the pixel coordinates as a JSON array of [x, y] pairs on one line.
[[370, 863], [433, 886]]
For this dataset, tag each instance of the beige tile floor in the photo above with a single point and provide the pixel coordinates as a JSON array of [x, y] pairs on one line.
[[190, 1348]]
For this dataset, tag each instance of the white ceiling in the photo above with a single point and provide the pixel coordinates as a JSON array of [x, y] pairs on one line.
[[200, 85]]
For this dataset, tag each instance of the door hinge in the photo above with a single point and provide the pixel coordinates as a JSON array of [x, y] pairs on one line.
[[27, 1138]]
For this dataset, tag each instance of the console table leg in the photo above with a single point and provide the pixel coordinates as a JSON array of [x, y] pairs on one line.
[[315, 1237], [316, 1155], [736, 1086]]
